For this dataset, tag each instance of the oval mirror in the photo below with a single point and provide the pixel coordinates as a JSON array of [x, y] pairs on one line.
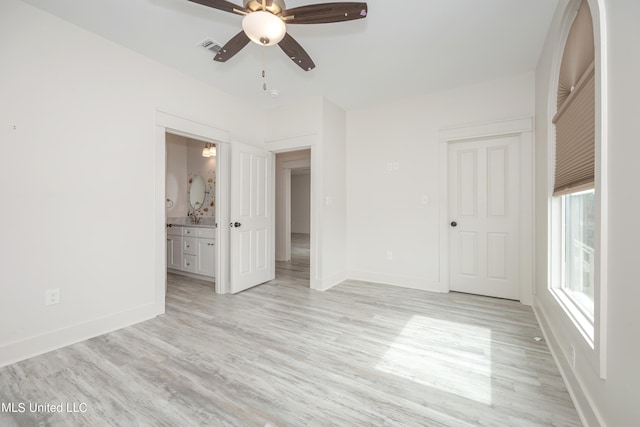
[[196, 192]]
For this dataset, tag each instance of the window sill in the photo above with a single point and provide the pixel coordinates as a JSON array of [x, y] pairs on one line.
[[582, 322]]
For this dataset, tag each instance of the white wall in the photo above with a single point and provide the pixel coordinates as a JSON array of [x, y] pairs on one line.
[[295, 120], [333, 208], [300, 203], [384, 208], [612, 401], [177, 175], [77, 177]]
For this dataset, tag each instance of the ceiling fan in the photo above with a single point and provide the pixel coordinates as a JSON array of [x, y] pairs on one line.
[[264, 23]]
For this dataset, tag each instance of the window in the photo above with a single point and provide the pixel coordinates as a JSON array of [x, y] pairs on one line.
[[578, 281], [575, 203]]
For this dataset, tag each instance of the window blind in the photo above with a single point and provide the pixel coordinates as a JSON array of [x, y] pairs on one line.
[[575, 119]]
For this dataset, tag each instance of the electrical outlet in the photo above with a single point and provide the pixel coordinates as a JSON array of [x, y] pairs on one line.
[[389, 255], [396, 166], [52, 296]]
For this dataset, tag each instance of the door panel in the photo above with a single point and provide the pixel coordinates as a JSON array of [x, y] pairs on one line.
[[484, 245], [252, 234], [244, 240], [497, 244], [497, 181], [262, 181], [468, 194], [468, 244], [261, 249]]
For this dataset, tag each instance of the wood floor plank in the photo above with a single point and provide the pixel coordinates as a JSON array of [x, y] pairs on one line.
[[280, 353]]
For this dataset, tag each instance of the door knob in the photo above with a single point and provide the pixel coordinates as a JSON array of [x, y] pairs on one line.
[[237, 224], [454, 224]]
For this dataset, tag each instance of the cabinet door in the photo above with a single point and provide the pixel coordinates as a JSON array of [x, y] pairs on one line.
[[206, 257], [174, 252]]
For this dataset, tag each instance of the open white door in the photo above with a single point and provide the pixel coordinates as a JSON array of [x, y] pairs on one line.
[[252, 228]]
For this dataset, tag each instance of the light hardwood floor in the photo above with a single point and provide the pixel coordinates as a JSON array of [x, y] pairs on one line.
[[359, 354]]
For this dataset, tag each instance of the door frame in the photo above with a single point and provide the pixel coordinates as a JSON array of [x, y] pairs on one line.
[[170, 123], [303, 142], [521, 128]]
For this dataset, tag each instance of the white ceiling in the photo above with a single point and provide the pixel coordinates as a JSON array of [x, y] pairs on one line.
[[400, 49]]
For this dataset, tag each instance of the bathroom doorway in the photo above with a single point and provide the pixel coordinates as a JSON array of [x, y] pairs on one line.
[[190, 211]]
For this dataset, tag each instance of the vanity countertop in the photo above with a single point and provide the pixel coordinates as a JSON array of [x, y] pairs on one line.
[[186, 222]]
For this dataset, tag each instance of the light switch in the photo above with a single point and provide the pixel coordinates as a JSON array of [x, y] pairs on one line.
[[328, 200], [425, 199]]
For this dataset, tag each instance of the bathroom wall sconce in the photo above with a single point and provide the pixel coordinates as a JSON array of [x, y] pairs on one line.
[[209, 150]]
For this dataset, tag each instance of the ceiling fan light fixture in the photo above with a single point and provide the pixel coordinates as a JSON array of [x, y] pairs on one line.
[[264, 28]]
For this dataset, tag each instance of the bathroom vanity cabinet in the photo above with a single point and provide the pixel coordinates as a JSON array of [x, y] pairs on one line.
[[191, 251]]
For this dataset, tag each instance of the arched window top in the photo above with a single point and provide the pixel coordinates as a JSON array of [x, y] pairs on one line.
[[579, 53], [575, 117]]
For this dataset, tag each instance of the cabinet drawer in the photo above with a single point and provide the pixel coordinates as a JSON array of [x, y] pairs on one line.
[[206, 233], [189, 263], [189, 246]]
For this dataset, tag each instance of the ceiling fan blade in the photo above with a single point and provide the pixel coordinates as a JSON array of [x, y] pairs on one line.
[[223, 5], [232, 47], [325, 13], [296, 53]]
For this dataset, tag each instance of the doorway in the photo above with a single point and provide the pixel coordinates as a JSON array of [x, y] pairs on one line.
[[190, 219], [293, 216], [468, 161]]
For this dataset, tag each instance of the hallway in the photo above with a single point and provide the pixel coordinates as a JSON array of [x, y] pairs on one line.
[[296, 271]]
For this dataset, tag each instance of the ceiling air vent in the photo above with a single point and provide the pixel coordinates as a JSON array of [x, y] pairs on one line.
[[210, 45]]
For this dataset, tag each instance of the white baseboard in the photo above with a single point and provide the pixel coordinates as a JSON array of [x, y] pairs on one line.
[[330, 282], [581, 400], [405, 282], [30, 347]]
